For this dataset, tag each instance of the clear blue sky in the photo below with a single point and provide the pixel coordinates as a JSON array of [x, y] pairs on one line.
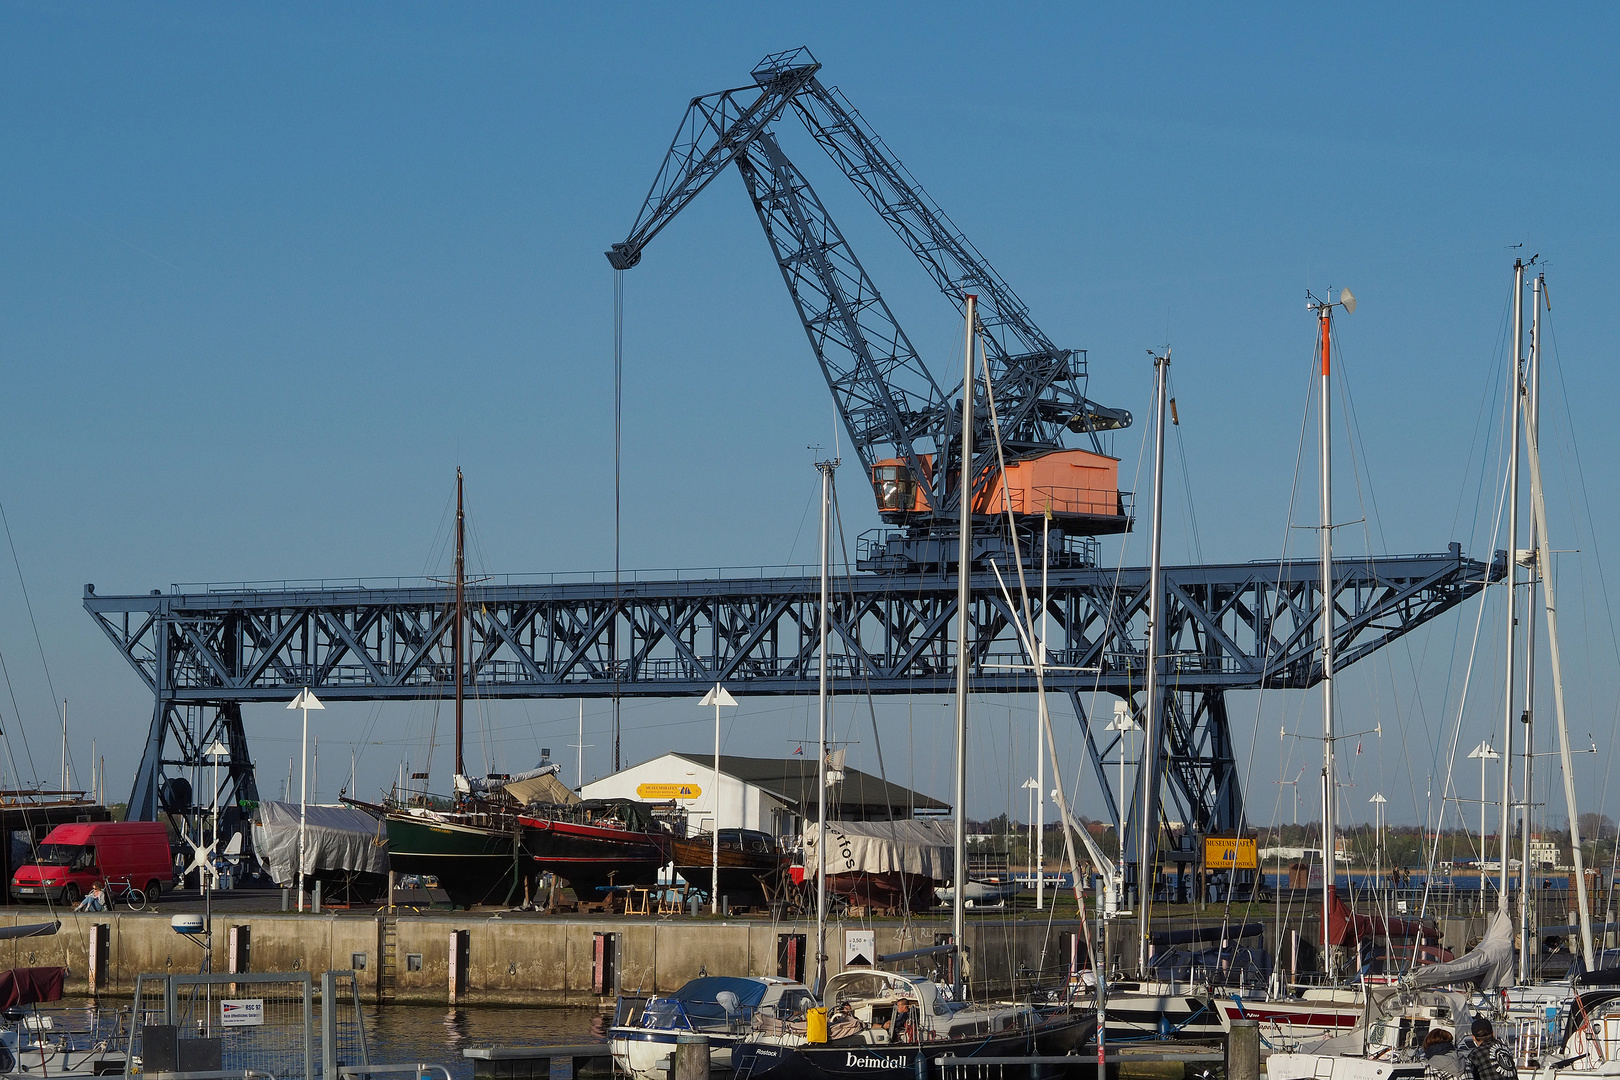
[[269, 273]]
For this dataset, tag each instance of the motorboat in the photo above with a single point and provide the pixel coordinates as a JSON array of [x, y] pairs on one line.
[[726, 1008]]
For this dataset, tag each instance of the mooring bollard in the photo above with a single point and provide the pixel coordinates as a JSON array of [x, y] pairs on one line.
[[1243, 1050], [691, 1058]]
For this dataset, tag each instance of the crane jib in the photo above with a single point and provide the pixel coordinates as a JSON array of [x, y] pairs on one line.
[[902, 425]]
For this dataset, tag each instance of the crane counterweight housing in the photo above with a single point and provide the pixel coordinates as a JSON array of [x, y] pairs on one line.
[[905, 429]]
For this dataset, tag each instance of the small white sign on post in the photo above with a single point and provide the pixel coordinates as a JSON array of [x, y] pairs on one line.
[[860, 948], [241, 1012]]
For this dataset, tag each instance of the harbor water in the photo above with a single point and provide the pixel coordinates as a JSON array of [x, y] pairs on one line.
[[438, 1035]]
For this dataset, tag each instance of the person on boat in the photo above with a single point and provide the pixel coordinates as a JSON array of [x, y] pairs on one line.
[[1440, 1056], [1489, 1058], [902, 1026]]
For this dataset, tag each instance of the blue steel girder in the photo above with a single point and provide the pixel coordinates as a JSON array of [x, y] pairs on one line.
[[1227, 627]]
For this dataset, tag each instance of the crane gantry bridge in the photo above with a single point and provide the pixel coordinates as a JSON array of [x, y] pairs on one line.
[[203, 653]]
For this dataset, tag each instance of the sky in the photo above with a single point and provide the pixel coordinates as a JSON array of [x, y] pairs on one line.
[[270, 273]]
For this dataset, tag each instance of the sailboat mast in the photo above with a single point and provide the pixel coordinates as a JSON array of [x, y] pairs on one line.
[[1515, 392], [1538, 505], [1532, 407], [818, 982], [1325, 399], [964, 596], [1148, 831], [455, 641]]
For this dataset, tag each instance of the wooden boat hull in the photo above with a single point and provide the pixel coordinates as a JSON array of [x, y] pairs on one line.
[[745, 877], [474, 864], [592, 858]]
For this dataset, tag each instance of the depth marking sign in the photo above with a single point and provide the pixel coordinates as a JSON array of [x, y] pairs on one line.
[[241, 1012]]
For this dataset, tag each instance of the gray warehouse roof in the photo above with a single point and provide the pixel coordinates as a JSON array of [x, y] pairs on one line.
[[860, 797]]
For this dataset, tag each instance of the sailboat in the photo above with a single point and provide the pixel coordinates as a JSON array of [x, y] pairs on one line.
[[1566, 1030], [884, 1025], [473, 845]]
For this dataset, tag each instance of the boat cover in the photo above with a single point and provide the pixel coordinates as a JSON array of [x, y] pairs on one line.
[[41, 929], [699, 1003], [921, 848], [1345, 927], [536, 785], [24, 986], [540, 785], [337, 838], [1488, 966]]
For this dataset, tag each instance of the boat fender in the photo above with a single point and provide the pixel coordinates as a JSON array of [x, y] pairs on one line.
[[815, 1026], [919, 1066]]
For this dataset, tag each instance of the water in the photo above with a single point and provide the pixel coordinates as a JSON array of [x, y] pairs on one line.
[[1458, 883], [436, 1035]]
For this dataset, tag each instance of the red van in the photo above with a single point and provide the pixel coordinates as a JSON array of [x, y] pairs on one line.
[[74, 857]]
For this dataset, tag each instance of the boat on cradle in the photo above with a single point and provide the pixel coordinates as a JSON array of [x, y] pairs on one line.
[[752, 867], [475, 855], [868, 1035], [342, 848], [726, 1008], [597, 844], [471, 842], [888, 866]]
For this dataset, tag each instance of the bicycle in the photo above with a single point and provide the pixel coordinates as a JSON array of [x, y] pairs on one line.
[[126, 891]]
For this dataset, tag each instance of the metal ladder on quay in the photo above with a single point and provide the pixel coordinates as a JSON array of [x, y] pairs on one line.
[[387, 958]]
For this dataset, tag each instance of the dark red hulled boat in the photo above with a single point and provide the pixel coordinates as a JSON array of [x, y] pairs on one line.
[[596, 844]]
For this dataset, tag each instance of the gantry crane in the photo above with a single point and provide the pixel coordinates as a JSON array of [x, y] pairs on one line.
[[904, 428]]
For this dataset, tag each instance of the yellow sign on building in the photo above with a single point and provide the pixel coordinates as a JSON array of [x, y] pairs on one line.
[[1225, 852], [659, 792]]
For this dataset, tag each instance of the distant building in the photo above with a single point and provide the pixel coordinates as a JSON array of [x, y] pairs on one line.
[[1544, 854], [775, 795]]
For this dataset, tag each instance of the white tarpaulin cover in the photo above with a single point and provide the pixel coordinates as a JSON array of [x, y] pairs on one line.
[[337, 838], [1488, 966], [536, 785], [883, 847]]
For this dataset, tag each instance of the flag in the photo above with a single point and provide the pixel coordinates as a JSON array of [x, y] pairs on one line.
[[799, 752], [1358, 749]]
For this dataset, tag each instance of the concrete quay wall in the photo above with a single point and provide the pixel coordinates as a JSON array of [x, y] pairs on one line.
[[516, 960], [507, 960]]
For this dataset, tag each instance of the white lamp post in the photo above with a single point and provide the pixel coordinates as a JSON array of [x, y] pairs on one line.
[[1378, 802], [1033, 788], [306, 701], [716, 697], [1123, 723], [1482, 753]]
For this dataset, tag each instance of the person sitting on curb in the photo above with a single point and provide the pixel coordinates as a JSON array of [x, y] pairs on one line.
[[94, 900]]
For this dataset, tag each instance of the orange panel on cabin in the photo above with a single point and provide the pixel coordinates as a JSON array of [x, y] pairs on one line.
[[1069, 481]]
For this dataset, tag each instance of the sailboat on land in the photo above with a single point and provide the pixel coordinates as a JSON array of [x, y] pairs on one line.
[[471, 842]]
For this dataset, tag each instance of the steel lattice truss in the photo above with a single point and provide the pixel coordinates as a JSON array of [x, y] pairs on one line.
[[1239, 626]]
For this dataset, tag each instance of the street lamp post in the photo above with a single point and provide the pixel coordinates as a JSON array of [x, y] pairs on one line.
[[1123, 723], [1378, 802], [216, 750], [716, 697], [306, 700], [1033, 788], [1482, 753]]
